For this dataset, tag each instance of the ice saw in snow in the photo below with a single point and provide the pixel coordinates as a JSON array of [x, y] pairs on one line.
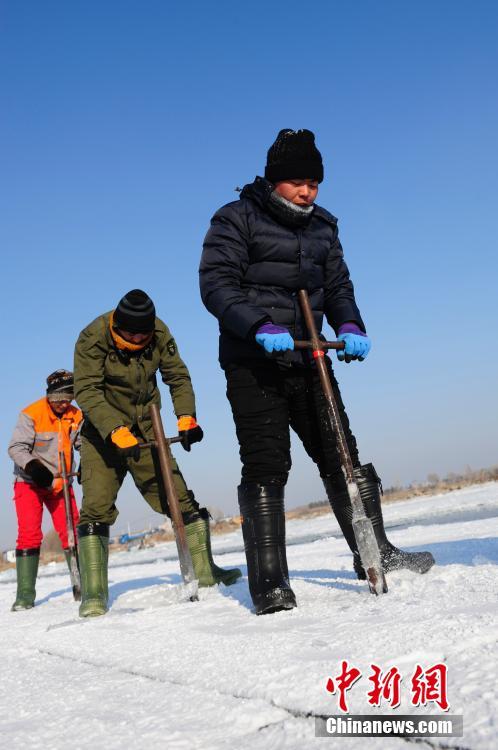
[[362, 526], [162, 445], [72, 550]]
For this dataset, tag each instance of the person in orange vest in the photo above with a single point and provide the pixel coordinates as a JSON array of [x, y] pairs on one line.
[[44, 428]]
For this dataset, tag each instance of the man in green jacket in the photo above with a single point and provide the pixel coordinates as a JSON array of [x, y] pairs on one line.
[[115, 364]]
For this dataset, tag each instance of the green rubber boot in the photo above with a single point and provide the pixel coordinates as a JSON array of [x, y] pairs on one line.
[[199, 543], [27, 569], [93, 547]]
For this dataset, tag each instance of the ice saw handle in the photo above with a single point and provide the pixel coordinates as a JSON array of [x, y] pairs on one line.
[[323, 344], [153, 444]]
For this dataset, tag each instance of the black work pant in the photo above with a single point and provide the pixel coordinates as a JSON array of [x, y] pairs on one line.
[[266, 399]]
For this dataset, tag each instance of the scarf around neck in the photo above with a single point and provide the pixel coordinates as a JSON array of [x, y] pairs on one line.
[[124, 345], [288, 213]]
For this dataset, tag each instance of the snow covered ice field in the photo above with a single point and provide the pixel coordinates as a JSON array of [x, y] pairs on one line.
[[158, 672]]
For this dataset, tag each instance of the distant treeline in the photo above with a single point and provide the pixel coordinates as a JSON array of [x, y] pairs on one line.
[[434, 483]]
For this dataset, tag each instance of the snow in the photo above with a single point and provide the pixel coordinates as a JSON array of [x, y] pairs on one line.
[[158, 671]]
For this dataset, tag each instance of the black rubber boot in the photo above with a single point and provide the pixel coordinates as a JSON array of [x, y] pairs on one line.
[[93, 548], [369, 485], [263, 529], [27, 569]]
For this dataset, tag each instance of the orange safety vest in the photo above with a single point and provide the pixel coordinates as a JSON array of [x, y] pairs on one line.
[[41, 434]]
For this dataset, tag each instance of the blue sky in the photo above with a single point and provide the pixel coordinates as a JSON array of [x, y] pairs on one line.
[[125, 125]]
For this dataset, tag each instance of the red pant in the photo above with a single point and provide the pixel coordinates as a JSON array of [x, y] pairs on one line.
[[29, 500]]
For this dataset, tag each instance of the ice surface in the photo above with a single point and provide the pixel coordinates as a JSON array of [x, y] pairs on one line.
[[162, 672]]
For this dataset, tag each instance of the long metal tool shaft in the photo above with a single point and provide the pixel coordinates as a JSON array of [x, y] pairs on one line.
[[362, 526], [74, 568], [164, 455]]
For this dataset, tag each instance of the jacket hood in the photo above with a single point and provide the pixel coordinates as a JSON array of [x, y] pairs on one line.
[[260, 190]]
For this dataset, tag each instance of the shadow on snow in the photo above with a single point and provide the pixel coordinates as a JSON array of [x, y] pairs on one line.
[[470, 552]]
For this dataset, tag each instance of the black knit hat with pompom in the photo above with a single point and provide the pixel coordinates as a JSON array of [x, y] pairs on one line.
[[294, 156]]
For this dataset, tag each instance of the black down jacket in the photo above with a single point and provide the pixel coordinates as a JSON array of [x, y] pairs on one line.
[[252, 267]]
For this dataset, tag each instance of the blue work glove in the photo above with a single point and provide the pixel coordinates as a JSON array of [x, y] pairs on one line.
[[357, 343], [274, 338]]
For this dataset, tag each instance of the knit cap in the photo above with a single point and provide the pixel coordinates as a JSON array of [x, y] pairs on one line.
[[60, 386], [135, 312], [294, 156]]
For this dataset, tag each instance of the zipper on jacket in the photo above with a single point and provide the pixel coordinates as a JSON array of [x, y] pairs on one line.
[[296, 301], [300, 250]]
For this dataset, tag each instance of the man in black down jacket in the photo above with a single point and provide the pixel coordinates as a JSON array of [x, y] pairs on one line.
[[258, 253]]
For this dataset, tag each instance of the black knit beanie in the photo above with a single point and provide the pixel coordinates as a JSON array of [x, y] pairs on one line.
[[60, 386], [294, 156], [135, 312]]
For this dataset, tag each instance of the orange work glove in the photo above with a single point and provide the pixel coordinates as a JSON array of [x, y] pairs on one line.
[[126, 443], [189, 431]]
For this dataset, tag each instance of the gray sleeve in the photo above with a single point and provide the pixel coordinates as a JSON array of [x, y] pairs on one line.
[[22, 441]]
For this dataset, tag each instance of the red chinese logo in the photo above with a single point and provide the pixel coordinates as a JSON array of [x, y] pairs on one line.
[[430, 686], [427, 686], [343, 682], [386, 687]]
